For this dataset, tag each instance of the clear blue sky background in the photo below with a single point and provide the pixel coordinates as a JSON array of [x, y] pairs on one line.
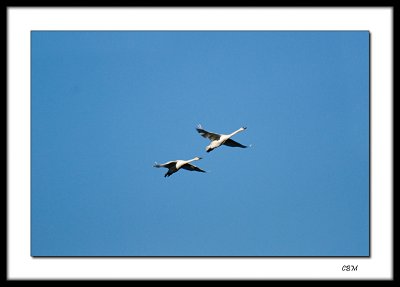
[[107, 105]]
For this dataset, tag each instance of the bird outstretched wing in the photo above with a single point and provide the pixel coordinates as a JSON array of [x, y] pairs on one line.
[[206, 134], [167, 164], [232, 143], [192, 167]]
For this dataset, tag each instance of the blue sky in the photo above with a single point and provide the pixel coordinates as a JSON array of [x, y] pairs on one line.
[[107, 105]]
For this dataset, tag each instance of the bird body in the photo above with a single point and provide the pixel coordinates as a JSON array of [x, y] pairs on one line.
[[175, 165], [220, 139]]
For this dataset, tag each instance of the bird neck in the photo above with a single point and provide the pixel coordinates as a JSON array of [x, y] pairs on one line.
[[235, 132], [193, 159]]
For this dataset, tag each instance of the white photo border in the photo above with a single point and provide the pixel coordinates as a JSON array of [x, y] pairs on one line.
[[21, 21]]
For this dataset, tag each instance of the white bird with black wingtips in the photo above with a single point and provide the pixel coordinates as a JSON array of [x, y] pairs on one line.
[[220, 139], [175, 165]]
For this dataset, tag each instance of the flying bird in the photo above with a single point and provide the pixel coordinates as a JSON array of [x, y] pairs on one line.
[[220, 139], [175, 165]]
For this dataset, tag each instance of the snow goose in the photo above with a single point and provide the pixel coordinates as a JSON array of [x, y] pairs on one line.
[[174, 165], [220, 139]]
